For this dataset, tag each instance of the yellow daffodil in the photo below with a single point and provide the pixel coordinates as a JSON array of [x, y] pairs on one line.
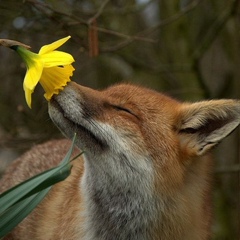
[[51, 68]]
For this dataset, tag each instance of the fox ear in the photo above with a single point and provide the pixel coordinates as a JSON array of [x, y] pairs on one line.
[[204, 124]]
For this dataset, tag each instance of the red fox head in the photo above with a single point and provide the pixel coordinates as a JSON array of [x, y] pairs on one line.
[[145, 156], [129, 118]]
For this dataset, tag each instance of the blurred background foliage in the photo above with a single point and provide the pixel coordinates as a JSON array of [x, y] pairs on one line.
[[189, 49]]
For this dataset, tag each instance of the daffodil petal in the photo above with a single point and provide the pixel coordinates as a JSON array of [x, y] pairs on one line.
[[28, 95], [33, 75], [51, 47], [54, 79], [31, 79], [56, 58]]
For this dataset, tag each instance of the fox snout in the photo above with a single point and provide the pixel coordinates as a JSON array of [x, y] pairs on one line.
[[70, 113], [100, 119]]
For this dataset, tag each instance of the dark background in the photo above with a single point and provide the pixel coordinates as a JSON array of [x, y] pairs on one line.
[[188, 49]]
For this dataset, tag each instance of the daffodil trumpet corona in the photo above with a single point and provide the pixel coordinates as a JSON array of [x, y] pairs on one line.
[[51, 68]]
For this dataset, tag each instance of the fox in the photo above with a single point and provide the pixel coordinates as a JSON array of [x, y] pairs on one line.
[[146, 172]]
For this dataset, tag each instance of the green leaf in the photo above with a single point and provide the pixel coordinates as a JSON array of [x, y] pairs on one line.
[[16, 213], [33, 185], [17, 202]]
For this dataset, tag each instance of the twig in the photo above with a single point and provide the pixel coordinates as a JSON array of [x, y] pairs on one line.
[[173, 18], [10, 43], [133, 9], [40, 6], [214, 30], [164, 22], [129, 39], [206, 43], [99, 12]]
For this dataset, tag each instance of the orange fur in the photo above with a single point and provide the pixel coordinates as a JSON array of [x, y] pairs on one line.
[[146, 172]]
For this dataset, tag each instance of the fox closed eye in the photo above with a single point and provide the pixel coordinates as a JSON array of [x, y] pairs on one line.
[[124, 109]]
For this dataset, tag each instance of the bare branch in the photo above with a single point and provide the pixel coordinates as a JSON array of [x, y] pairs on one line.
[[140, 35], [47, 9], [99, 12], [122, 35], [206, 43], [42, 7], [214, 30], [172, 19]]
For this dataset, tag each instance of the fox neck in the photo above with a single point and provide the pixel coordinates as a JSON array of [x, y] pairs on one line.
[[117, 197]]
